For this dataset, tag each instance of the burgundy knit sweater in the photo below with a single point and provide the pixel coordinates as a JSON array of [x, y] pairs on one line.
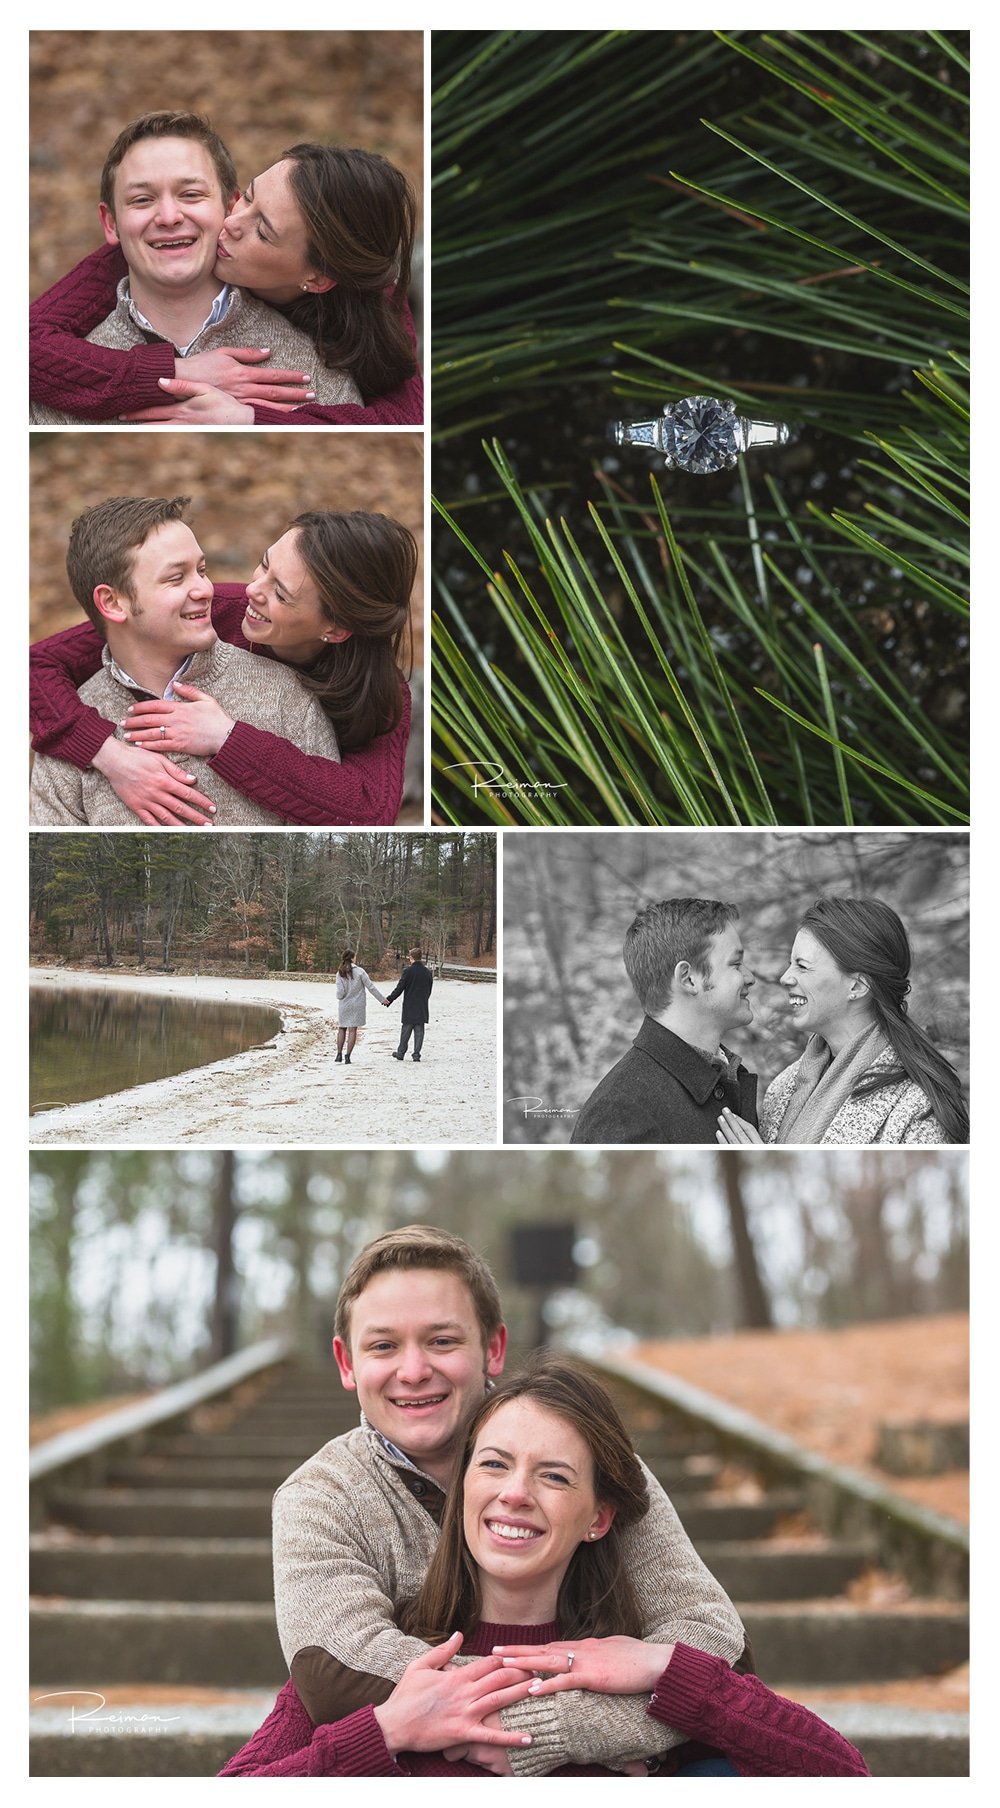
[[366, 787], [97, 384], [760, 1733]]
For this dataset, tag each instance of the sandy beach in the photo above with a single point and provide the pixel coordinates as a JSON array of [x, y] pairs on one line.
[[290, 1091]]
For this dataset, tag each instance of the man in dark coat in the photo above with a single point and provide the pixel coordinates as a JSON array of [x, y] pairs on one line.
[[415, 984], [685, 959]]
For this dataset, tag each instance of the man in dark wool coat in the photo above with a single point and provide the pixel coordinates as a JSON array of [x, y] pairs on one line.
[[415, 984], [685, 959]]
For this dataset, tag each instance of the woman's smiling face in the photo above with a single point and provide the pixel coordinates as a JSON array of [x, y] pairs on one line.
[[283, 605], [263, 244], [818, 990], [529, 1499]]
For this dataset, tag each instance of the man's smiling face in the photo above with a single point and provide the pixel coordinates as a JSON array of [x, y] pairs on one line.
[[168, 213], [418, 1362], [169, 611], [725, 987]]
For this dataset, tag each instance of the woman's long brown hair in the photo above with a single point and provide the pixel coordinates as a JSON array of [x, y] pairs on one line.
[[596, 1597], [864, 935], [364, 567], [360, 217]]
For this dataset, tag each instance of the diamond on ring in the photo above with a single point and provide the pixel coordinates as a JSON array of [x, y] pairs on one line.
[[570, 1655], [700, 434]]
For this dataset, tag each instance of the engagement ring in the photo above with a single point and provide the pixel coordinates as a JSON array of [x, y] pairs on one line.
[[700, 434], [569, 1659]]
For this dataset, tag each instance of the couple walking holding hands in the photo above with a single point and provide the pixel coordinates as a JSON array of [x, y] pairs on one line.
[[415, 984]]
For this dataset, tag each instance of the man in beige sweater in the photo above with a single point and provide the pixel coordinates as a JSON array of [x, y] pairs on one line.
[[138, 572], [419, 1333], [167, 185]]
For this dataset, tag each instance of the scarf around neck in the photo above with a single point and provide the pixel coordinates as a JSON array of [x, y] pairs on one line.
[[824, 1083]]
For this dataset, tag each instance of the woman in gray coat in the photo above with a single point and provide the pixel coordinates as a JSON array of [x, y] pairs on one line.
[[351, 1002]]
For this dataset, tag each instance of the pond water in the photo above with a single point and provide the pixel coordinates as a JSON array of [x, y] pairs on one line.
[[87, 1043]]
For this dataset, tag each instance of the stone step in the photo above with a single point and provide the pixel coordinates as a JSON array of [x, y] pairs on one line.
[[200, 1472], [837, 1642], [323, 1384], [197, 1743], [275, 1444], [713, 1517], [901, 1742], [100, 1643], [334, 1401], [104, 1642], [166, 1512], [316, 1428], [650, 1444], [691, 1472], [152, 1569], [775, 1571], [923, 1447], [239, 1569], [138, 1734], [196, 1735], [328, 1393]]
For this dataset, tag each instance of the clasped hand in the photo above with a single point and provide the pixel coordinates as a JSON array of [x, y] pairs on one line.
[[234, 369], [607, 1666], [197, 724], [152, 787], [191, 402], [437, 1707]]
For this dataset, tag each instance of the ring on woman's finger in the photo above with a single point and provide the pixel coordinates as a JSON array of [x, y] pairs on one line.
[[570, 1655], [163, 733]]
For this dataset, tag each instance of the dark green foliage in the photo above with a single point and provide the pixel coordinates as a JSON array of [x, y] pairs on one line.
[[621, 219]]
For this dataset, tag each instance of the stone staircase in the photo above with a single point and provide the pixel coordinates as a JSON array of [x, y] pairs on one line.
[[805, 1563], [151, 1580]]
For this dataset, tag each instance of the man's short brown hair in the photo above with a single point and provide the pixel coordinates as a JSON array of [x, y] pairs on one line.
[[170, 125], [103, 542], [676, 929], [421, 1246], [415, 954]]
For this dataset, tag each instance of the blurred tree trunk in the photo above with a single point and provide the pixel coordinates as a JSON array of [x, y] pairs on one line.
[[56, 1327], [225, 1313], [756, 1310], [552, 911]]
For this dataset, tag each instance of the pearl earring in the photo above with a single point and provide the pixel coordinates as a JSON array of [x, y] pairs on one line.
[[304, 287]]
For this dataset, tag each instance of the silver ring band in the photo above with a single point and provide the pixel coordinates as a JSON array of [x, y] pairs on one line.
[[570, 1655], [700, 434]]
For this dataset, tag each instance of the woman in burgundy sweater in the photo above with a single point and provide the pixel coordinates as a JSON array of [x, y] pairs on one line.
[[529, 1564], [356, 216], [331, 597]]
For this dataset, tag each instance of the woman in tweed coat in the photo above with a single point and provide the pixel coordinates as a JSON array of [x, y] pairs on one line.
[[867, 1073], [352, 982]]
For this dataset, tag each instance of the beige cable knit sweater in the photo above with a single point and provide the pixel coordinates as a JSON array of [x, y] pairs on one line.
[[247, 322], [258, 691], [353, 1532]]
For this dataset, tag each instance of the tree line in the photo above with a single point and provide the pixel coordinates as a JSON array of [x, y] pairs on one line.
[[290, 902], [148, 1264]]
